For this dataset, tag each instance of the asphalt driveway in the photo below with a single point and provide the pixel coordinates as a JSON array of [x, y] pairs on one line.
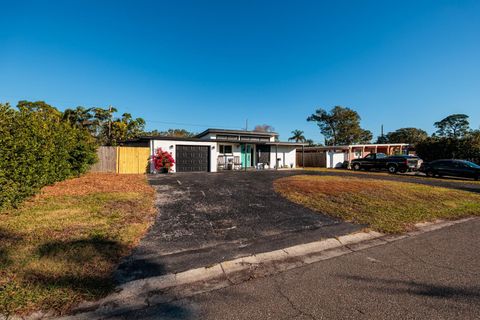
[[204, 218]]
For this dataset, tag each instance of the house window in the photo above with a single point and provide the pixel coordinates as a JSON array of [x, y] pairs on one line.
[[225, 149], [254, 138], [226, 137]]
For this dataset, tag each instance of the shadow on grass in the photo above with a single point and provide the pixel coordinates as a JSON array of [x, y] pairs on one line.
[[93, 285], [77, 260], [77, 250], [7, 242], [65, 273], [468, 294], [81, 260]]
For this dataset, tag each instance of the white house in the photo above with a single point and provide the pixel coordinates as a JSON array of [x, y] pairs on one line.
[[219, 149]]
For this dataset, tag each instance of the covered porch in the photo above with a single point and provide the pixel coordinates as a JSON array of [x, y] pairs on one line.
[[256, 155], [361, 151]]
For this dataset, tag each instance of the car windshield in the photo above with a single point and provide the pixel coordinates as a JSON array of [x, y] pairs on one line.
[[471, 164]]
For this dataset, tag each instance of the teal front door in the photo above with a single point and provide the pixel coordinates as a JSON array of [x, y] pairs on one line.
[[246, 155]]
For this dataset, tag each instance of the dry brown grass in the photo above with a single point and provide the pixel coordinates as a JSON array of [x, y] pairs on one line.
[[97, 182], [386, 206], [61, 247], [406, 176]]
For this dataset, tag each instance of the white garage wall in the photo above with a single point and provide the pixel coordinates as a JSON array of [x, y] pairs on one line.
[[286, 154], [170, 146], [335, 159]]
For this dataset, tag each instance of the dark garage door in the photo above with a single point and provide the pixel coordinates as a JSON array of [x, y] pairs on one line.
[[192, 158]]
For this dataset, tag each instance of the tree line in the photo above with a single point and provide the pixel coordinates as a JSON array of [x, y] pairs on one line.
[[453, 137]]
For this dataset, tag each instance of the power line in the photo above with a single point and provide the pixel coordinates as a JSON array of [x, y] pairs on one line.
[[192, 124]]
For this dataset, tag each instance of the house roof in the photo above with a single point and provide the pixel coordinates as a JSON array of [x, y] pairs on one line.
[[169, 138], [229, 131], [157, 137], [368, 145]]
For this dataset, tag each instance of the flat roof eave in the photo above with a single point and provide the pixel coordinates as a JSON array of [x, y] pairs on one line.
[[240, 132]]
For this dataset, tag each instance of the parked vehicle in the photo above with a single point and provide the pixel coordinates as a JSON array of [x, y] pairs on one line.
[[453, 168], [394, 164]]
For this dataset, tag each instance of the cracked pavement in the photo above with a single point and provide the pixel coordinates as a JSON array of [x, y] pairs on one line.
[[435, 275]]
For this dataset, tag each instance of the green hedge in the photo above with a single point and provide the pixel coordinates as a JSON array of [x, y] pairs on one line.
[[467, 148], [38, 148]]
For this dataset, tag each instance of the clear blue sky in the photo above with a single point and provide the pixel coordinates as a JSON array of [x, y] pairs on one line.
[[217, 63]]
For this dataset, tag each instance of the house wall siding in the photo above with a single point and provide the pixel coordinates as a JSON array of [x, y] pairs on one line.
[[286, 154], [170, 146]]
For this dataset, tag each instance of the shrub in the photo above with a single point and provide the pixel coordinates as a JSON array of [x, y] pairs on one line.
[[434, 148], [38, 148], [163, 160]]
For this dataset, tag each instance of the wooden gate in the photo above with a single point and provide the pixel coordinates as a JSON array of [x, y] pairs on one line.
[[132, 159]]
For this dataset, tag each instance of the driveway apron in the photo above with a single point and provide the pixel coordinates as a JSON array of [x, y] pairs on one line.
[[205, 218]]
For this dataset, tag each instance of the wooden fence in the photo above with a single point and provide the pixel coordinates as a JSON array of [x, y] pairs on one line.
[[122, 160], [107, 160], [311, 159]]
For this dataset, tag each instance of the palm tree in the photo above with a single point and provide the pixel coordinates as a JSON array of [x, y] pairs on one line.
[[80, 117], [297, 136]]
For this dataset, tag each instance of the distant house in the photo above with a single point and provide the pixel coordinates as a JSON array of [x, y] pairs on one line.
[[338, 156], [219, 149]]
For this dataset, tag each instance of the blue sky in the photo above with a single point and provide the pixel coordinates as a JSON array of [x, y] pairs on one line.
[[218, 63]]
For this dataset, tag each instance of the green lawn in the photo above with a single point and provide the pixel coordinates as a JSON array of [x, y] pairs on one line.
[[61, 247], [386, 206]]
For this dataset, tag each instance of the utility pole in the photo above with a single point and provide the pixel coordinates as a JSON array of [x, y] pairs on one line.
[[110, 124], [246, 125]]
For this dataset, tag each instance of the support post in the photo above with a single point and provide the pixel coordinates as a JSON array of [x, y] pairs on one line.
[[276, 157], [303, 156], [245, 149]]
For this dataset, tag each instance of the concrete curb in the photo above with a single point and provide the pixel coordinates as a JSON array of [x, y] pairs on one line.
[[141, 293]]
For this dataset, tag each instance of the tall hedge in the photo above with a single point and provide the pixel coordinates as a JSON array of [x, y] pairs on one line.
[[38, 148], [467, 147]]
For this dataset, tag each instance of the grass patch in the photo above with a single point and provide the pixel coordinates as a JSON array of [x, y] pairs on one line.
[[386, 206], [383, 172], [61, 247]]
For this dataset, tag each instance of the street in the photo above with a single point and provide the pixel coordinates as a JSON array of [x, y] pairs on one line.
[[431, 276]]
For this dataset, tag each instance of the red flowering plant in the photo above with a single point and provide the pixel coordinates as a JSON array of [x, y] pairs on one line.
[[163, 160]]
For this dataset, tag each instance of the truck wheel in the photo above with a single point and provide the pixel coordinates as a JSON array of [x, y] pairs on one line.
[[392, 168], [356, 166], [430, 174]]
